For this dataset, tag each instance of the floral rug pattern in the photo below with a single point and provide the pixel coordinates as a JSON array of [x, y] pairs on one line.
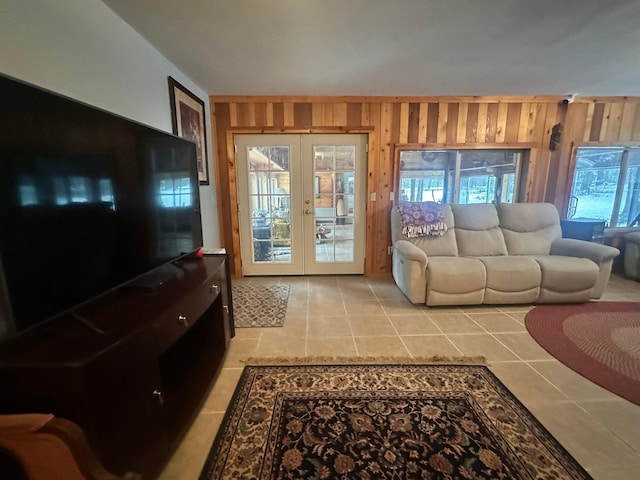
[[381, 422], [256, 305]]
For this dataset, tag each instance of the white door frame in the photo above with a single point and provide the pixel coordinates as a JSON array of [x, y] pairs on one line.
[[304, 260]]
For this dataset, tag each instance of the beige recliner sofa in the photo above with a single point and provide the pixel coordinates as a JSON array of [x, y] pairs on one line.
[[504, 254]]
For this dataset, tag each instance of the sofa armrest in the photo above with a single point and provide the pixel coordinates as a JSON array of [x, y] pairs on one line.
[[409, 251], [595, 252], [409, 268]]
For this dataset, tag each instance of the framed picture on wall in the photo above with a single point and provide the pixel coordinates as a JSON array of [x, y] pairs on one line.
[[188, 120]]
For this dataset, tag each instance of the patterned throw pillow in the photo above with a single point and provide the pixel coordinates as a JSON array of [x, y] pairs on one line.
[[419, 219]]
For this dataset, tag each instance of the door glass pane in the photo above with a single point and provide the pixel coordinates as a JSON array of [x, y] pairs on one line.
[[595, 181], [334, 188], [345, 158], [270, 203]]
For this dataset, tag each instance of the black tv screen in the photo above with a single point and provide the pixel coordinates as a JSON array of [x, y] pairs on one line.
[[88, 202]]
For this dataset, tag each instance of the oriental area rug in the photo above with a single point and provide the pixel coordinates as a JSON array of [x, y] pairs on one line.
[[599, 340], [374, 421], [256, 305]]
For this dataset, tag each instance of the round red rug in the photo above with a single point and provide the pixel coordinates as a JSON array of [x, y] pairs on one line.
[[599, 340]]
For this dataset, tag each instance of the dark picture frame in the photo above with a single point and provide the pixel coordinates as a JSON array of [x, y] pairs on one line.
[[188, 121]]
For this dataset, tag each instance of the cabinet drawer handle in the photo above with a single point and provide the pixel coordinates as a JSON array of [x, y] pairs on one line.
[[215, 289], [183, 320], [157, 394]]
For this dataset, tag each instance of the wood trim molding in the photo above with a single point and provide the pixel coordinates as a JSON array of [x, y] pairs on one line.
[[298, 130], [386, 99], [465, 146]]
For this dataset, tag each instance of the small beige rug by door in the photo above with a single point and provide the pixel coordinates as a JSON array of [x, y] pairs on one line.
[[256, 305]]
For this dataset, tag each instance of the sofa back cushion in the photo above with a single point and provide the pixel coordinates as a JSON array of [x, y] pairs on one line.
[[529, 228], [444, 245], [478, 230]]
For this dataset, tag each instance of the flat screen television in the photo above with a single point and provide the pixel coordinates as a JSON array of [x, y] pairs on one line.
[[89, 201]]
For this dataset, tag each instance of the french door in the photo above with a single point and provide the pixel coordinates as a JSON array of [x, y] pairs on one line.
[[301, 203]]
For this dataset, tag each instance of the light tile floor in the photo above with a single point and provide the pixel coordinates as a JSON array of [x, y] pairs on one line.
[[357, 316]]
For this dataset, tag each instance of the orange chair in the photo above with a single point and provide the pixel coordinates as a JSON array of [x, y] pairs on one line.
[[45, 447]]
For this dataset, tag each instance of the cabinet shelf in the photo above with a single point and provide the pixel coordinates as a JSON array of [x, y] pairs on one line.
[[134, 389], [180, 372]]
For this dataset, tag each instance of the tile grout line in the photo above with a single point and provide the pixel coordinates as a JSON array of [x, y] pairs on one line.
[[346, 316], [498, 340]]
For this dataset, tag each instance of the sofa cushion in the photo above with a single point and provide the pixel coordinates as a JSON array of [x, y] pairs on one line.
[[566, 279], [511, 279], [455, 280], [529, 228], [478, 230], [511, 274]]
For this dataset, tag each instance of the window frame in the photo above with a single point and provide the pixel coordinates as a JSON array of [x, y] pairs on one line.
[[529, 153], [571, 175]]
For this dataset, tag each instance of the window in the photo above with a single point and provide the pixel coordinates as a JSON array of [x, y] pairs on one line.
[[28, 192], [65, 189], [268, 182], [174, 190], [606, 185], [461, 176]]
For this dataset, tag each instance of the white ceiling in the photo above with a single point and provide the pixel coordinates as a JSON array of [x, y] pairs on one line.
[[401, 47]]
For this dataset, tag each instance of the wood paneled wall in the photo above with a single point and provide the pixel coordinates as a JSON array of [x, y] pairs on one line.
[[452, 122]]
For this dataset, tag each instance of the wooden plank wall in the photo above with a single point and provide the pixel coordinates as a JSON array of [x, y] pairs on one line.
[[471, 122]]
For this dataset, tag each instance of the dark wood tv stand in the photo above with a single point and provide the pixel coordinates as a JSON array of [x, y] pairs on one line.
[[135, 388]]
